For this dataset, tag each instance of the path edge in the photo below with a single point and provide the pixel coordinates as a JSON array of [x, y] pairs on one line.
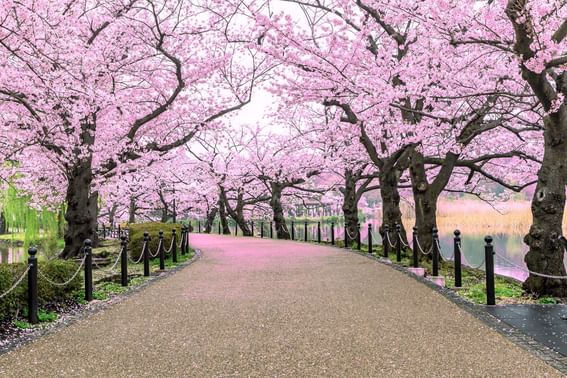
[[94, 308], [537, 349]]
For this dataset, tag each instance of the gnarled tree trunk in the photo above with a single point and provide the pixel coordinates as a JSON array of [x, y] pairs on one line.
[[546, 250], [223, 218], [350, 207], [277, 208], [132, 210], [211, 215], [391, 213], [82, 209]]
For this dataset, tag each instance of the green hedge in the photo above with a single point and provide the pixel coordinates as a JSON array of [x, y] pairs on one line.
[[137, 236], [56, 270]]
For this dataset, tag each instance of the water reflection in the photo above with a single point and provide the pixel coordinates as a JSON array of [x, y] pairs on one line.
[[510, 249], [10, 255]]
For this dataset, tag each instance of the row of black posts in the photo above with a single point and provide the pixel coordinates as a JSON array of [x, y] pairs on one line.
[[88, 265], [113, 232], [435, 252]]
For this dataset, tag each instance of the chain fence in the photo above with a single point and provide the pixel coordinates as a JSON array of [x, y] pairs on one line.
[[50, 281], [17, 283]]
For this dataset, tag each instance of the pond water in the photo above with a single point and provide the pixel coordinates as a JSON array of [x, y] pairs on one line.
[[510, 249], [10, 255]]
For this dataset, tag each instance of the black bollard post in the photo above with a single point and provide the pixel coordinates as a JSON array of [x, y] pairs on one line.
[[358, 237], [414, 248], [261, 230], [370, 238], [87, 249], [271, 230], [385, 243], [435, 252], [119, 232], [187, 232], [32, 286], [124, 261], [174, 248], [319, 232], [398, 242], [199, 226], [183, 239], [305, 232], [457, 253], [146, 254], [220, 231], [489, 266], [333, 233], [292, 230], [161, 252]]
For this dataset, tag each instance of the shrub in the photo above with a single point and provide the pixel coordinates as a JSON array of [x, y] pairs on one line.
[[137, 236], [56, 270]]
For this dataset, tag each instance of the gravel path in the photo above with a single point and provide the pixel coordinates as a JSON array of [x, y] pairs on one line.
[[261, 308]]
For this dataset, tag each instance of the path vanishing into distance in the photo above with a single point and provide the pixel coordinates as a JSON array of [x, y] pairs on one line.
[[263, 308]]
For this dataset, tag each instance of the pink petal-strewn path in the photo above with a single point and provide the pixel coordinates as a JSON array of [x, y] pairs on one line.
[[261, 308]]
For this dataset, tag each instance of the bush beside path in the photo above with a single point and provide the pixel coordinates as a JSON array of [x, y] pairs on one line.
[[257, 308]]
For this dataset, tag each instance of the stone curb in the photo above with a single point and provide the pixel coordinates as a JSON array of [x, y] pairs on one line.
[[93, 308]]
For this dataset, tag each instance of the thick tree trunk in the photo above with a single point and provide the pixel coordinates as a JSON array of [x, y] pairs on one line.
[[425, 204], [238, 216], [391, 213], [211, 215], [164, 215], [546, 250], [2, 223], [132, 211], [350, 207], [112, 214], [277, 208], [82, 209], [223, 218]]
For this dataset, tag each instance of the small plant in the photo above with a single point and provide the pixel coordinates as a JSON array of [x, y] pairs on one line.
[[137, 281], [100, 295], [47, 316], [112, 288], [22, 324], [547, 300]]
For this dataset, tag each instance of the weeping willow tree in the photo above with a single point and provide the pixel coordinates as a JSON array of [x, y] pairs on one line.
[[39, 227]]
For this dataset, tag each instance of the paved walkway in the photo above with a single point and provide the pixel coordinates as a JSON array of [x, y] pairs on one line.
[[262, 308]]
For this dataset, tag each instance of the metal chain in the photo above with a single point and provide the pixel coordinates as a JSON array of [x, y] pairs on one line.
[[531, 272], [111, 270], [441, 255], [157, 252], [350, 235], [170, 247], [421, 248], [388, 240], [16, 283], [141, 255], [66, 282]]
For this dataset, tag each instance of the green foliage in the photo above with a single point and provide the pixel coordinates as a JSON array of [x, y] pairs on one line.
[[477, 292], [22, 324], [57, 271], [112, 288], [547, 300], [47, 316], [137, 236], [40, 227]]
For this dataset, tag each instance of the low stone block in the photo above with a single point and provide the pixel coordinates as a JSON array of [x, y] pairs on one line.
[[438, 280], [417, 271]]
